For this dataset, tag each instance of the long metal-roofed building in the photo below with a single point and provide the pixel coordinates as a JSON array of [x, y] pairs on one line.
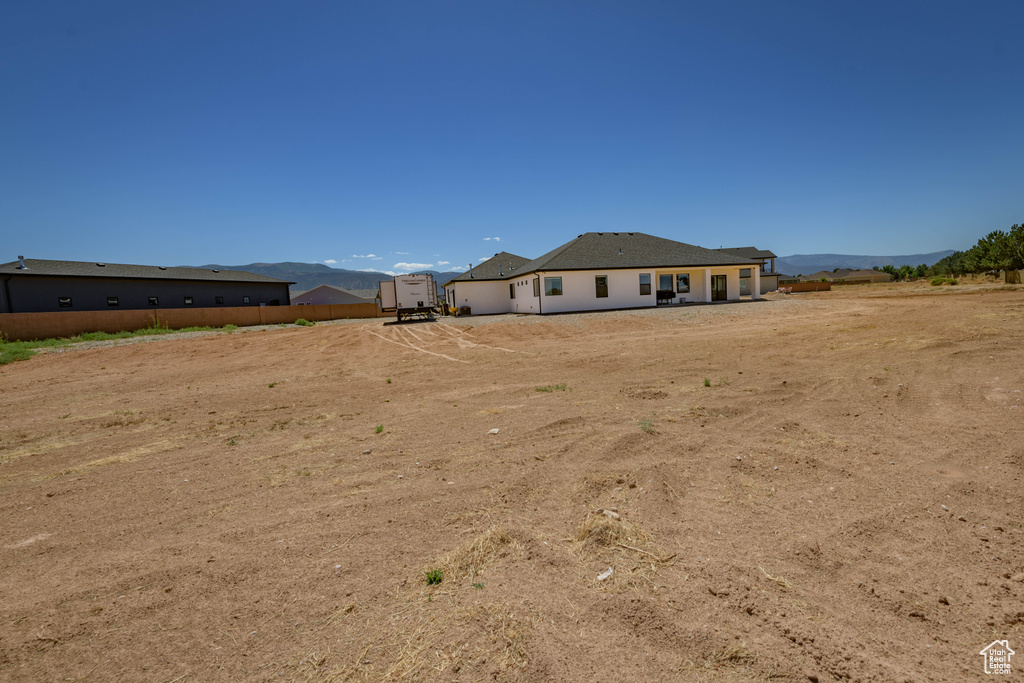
[[35, 285]]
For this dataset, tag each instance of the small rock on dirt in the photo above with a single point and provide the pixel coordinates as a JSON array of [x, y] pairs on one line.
[[610, 514], [494, 431], [606, 574], [366, 452]]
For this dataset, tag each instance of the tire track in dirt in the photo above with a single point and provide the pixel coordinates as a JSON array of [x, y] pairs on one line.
[[416, 348], [466, 343]]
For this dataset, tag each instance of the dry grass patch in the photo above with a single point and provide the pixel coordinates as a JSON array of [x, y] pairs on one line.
[[468, 559], [623, 545]]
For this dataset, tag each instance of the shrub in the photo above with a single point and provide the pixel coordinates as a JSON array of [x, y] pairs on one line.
[[646, 425], [304, 322], [435, 576]]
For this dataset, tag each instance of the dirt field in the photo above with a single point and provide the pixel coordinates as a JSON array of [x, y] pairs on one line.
[[815, 487]]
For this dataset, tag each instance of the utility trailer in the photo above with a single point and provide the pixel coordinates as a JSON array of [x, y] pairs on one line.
[[409, 296]]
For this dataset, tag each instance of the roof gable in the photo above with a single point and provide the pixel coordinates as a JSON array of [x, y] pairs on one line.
[[499, 267], [748, 252]]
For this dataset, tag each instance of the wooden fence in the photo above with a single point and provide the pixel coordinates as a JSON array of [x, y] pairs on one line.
[[28, 326], [809, 286]]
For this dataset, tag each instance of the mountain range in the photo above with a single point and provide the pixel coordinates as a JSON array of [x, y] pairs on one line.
[[805, 264], [306, 276]]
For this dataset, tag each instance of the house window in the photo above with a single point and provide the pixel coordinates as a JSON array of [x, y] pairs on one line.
[[112, 301], [219, 299], [188, 301], [683, 283], [665, 283], [645, 283], [536, 287], [511, 290], [552, 286], [154, 301], [601, 285], [64, 301], [245, 299]]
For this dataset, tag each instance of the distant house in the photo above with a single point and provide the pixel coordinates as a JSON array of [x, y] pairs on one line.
[[34, 285], [769, 278], [328, 294], [600, 271]]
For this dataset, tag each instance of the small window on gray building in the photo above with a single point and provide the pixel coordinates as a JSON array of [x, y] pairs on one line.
[[188, 301], [64, 302], [219, 299], [112, 301], [245, 299], [154, 301]]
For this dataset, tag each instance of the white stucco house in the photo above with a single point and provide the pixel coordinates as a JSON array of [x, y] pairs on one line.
[[600, 271]]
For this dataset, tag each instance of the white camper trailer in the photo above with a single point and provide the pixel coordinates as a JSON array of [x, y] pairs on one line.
[[409, 296]]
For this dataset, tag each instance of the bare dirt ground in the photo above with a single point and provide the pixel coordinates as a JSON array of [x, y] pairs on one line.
[[842, 502]]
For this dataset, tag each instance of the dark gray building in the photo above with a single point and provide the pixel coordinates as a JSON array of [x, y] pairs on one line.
[[33, 285]]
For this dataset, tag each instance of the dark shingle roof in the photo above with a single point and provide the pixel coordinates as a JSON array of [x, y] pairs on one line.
[[748, 252], [499, 267], [38, 267], [606, 251]]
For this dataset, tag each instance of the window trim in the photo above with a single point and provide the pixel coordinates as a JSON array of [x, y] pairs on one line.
[[245, 299], [680, 288], [189, 301], [536, 287], [598, 287], [70, 302], [512, 290], [113, 302], [154, 301], [646, 285], [550, 289]]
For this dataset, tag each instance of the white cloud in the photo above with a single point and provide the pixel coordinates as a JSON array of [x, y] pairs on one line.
[[374, 270], [496, 239], [401, 253], [369, 256], [442, 263], [481, 260], [330, 261], [414, 266], [458, 269]]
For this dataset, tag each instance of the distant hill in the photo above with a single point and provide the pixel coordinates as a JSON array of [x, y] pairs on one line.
[[805, 264], [306, 276]]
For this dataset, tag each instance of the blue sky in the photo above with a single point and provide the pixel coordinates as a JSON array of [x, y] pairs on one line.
[[403, 135]]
